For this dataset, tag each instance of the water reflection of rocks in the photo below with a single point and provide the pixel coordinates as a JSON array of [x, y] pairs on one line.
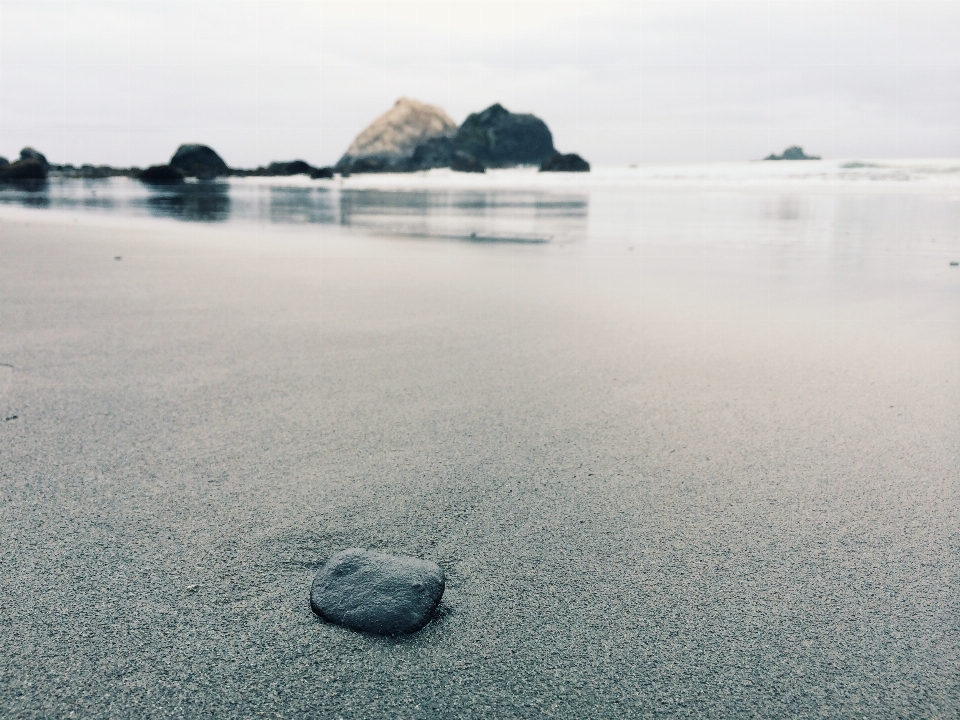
[[198, 202], [478, 216], [506, 216]]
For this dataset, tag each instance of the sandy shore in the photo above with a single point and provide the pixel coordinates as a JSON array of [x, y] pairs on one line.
[[670, 481]]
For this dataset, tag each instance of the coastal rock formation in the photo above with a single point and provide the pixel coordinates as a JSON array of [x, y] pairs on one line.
[[28, 169], [389, 143], [3, 161], [28, 153], [792, 153], [565, 163], [497, 137], [199, 161], [376, 593], [161, 175]]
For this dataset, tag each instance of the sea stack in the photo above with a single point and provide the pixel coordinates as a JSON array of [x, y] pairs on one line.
[[497, 137], [199, 161], [389, 142]]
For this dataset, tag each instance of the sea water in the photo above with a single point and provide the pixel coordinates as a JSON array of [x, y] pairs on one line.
[[904, 204]]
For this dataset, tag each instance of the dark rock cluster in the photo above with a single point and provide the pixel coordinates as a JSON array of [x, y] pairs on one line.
[[31, 166], [565, 163], [161, 175], [286, 169], [426, 138], [792, 153]]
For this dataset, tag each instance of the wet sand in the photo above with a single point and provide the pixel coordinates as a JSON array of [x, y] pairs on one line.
[[673, 481]]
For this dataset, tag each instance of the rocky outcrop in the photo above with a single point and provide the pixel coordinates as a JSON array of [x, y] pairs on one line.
[[390, 142], [161, 175], [565, 163], [199, 161], [500, 138], [434, 153], [286, 169], [28, 169], [462, 162], [28, 153], [3, 162], [792, 153]]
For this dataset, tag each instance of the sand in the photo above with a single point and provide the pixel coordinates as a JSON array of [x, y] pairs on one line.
[[672, 481]]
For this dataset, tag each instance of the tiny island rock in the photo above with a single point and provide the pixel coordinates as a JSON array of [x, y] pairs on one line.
[[792, 153], [377, 593]]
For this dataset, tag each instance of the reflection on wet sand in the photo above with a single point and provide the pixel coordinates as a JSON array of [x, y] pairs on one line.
[[477, 216], [503, 216], [196, 202]]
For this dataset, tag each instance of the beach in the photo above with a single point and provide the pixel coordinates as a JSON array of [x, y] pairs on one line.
[[676, 477]]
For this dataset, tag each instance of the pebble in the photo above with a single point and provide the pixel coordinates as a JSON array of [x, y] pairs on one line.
[[376, 593]]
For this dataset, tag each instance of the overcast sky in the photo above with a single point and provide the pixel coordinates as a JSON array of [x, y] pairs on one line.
[[125, 82]]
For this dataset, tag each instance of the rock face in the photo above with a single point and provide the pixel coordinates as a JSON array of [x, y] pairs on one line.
[[161, 175], [792, 153], [376, 593], [500, 138], [565, 163], [199, 161], [28, 153], [29, 169], [388, 144], [434, 153], [3, 162], [462, 162]]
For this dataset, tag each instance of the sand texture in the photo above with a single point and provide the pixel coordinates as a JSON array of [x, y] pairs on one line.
[[671, 482]]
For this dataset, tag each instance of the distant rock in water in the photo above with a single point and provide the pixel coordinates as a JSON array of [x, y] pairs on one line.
[[462, 162], [286, 169], [161, 175], [500, 138], [29, 169], [565, 163], [388, 144], [199, 161], [793, 153], [294, 167], [28, 153]]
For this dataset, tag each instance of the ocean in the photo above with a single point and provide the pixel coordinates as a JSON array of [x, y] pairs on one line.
[[842, 204]]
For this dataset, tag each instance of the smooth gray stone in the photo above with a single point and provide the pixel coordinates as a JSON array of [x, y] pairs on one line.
[[377, 593]]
